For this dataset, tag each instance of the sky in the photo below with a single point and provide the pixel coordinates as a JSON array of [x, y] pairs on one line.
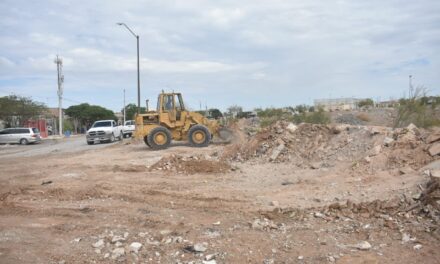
[[251, 53]]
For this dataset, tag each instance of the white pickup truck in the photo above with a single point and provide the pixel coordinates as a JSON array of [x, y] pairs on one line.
[[129, 128], [104, 130]]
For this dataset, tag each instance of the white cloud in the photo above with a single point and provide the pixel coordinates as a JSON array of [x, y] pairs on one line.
[[306, 48]]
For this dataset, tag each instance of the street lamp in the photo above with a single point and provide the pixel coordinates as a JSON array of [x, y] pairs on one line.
[[139, 81]]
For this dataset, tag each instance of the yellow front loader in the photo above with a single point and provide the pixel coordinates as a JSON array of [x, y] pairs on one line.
[[172, 121]]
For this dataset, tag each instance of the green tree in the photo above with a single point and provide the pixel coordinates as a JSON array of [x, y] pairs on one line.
[[131, 110], [85, 114], [366, 103], [15, 110], [215, 113]]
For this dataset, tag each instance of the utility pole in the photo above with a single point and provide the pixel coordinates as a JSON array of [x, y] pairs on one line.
[[410, 87], [124, 107], [59, 63], [138, 70]]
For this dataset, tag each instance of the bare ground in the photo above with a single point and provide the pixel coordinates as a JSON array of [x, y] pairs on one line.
[[254, 212]]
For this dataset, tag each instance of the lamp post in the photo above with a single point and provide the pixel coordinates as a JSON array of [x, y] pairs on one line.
[[138, 76]]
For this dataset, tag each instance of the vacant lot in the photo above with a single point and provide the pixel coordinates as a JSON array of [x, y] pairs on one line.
[[329, 195]]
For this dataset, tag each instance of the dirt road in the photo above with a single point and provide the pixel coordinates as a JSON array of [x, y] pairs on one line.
[[91, 205]]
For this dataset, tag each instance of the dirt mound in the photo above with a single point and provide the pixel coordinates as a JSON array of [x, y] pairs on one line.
[[318, 146], [303, 144], [190, 165]]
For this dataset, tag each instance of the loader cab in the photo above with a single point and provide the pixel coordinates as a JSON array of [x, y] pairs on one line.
[[170, 105]]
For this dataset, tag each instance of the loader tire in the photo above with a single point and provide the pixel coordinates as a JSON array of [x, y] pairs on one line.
[[159, 138], [146, 141], [199, 136]]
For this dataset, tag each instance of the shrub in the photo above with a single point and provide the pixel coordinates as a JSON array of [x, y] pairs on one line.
[[364, 117], [416, 110]]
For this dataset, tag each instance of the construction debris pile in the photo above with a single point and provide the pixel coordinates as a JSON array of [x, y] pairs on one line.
[[316, 146], [191, 164]]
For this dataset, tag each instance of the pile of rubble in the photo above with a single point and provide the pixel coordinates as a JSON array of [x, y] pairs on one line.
[[191, 164], [349, 119], [316, 146]]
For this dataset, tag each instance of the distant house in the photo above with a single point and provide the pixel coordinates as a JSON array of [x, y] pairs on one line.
[[388, 104], [337, 104]]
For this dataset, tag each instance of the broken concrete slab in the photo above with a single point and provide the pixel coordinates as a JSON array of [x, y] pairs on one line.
[[433, 138], [434, 149], [276, 152]]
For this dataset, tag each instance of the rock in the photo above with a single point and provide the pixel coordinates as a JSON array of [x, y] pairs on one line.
[[275, 203], [118, 244], [405, 238], [367, 159], [319, 215], [406, 170], [315, 165], [387, 141], [291, 127], [117, 239], [413, 129], [434, 149], [99, 244], [135, 246], [199, 247], [376, 150], [364, 245], [434, 173], [117, 253], [433, 138], [97, 251], [331, 259], [210, 257], [106, 255], [300, 257], [276, 152], [417, 247], [125, 234], [209, 261]]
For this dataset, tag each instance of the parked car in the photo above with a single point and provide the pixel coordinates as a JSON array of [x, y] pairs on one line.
[[20, 135], [104, 131], [129, 128]]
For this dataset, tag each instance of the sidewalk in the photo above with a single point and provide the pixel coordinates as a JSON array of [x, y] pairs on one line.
[[54, 137]]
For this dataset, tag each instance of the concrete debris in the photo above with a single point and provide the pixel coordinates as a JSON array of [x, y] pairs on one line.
[[291, 127], [210, 256], [405, 238], [99, 244], [406, 170], [197, 248], [364, 245], [117, 253], [264, 224], [387, 141], [434, 149], [275, 203], [417, 247], [200, 247], [434, 173], [135, 246], [315, 165], [117, 239], [434, 137], [118, 244], [276, 152]]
